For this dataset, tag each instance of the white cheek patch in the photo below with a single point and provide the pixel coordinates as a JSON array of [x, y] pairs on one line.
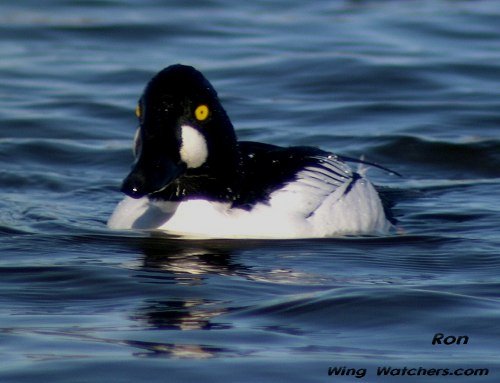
[[194, 150], [137, 143]]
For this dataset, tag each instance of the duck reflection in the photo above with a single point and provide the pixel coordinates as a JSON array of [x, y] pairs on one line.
[[191, 314], [179, 351], [180, 315], [197, 300], [189, 261], [184, 267]]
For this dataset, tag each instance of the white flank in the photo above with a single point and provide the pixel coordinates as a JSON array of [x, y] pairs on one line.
[[317, 204], [194, 150]]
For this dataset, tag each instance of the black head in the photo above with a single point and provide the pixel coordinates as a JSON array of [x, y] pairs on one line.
[[183, 129]]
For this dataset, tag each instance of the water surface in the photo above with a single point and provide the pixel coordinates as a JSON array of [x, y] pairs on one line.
[[411, 85]]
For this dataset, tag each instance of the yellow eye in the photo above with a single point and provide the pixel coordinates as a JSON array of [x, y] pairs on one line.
[[201, 112], [138, 111]]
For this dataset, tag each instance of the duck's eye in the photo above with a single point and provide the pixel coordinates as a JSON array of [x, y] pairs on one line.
[[138, 111], [201, 112]]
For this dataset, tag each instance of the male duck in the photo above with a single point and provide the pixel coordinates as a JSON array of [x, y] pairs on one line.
[[192, 177]]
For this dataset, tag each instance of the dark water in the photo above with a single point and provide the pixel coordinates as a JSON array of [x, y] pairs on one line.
[[411, 85]]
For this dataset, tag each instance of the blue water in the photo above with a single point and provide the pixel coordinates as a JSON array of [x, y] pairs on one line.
[[411, 85]]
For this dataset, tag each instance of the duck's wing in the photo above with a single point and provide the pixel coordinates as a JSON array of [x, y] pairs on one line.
[[332, 199], [324, 178], [304, 176]]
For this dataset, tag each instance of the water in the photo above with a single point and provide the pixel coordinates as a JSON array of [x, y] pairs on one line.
[[411, 85]]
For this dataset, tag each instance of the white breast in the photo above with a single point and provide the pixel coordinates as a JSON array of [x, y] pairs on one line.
[[306, 208]]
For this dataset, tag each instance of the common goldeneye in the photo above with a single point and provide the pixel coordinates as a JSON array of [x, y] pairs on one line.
[[192, 177]]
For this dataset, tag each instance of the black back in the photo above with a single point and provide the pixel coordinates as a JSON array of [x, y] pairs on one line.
[[262, 169]]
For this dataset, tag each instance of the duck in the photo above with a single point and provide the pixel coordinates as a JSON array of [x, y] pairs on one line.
[[192, 177]]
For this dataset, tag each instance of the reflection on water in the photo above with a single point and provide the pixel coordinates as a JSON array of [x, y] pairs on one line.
[[189, 351], [183, 263], [188, 261], [192, 263], [182, 315]]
